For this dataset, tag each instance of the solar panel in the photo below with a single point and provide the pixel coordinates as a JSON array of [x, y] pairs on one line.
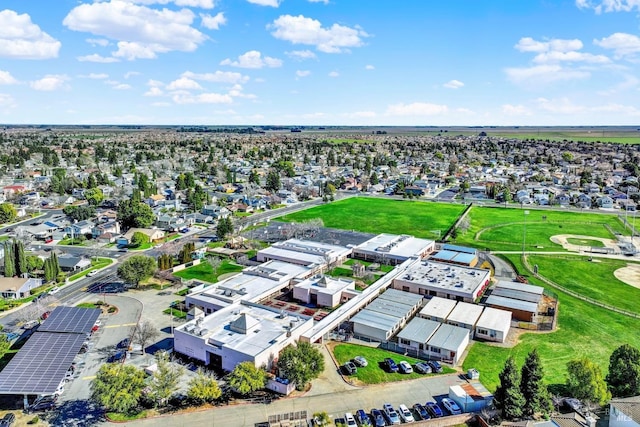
[[41, 364], [70, 319]]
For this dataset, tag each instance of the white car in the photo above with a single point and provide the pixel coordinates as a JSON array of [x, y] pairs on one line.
[[405, 414], [54, 290], [92, 273], [350, 419], [405, 367]]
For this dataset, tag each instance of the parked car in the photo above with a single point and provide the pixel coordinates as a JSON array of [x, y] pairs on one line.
[[54, 290], [184, 230], [405, 414], [378, 418], [350, 368], [391, 365], [118, 356], [8, 420], [451, 406], [92, 273], [362, 418], [405, 367], [423, 368], [435, 366], [44, 315], [392, 416], [8, 230], [42, 403], [350, 420], [124, 343], [30, 324], [360, 361], [434, 409], [421, 411]]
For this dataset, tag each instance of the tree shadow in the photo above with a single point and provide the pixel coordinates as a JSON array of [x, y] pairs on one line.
[[81, 413]]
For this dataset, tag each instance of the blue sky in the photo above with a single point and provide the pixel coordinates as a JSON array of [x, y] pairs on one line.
[[320, 62]]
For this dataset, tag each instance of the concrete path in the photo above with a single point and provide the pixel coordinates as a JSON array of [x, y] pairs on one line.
[[330, 381]]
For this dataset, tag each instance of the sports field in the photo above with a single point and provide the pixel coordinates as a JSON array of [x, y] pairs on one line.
[[375, 215], [502, 229]]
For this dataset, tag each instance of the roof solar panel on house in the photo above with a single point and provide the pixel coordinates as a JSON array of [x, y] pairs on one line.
[[42, 363], [71, 320]]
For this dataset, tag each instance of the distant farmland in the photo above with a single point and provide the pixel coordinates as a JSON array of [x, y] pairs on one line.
[[376, 215]]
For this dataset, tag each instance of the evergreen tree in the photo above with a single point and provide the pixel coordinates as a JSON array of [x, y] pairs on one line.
[[624, 371], [224, 228], [586, 382], [508, 396], [20, 258], [9, 260], [536, 395]]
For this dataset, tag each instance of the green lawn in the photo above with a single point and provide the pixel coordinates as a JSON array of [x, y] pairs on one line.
[[176, 313], [591, 279], [373, 372], [383, 268], [204, 271], [95, 265], [75, 242], [585, 330], [87, 305], [142, 247], [502, 229], [586, 242], [375, 215]]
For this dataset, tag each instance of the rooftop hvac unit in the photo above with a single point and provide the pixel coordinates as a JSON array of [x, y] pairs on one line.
[[203, 331]]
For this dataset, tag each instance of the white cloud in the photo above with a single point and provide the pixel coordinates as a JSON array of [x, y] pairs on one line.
[[416, 109], [217, 77], [609, 5], [559, 106], [334, 74], [96, 76], [515, 110], [369, 67], [555, 56], [204, 4], [237, 91], [49, 82], [155, 83], [319, 1], [97, 58], [129, 74], [98, 42], [253, 59], [301, 55], [141, 32], [622, 44], [184, 83], [203, 98], [213, 22], [121, 86], [527, 44], [154, 91], [303, 73], [7, 79], [544, 74], [272, 3], [453, 84], [302, 30], [161, 104], [22, 39]]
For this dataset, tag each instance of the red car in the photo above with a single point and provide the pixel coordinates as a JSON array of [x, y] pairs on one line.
[[45, 315], [95, 328]]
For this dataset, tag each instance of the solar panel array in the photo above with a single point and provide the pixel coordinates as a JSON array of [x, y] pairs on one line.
[[42, 363], [70, 319]]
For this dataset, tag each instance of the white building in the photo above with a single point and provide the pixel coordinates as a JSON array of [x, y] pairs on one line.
[[465, 315], [625, 412], [253, 284], [437, 309], [448, 343], [493, 325], [443, 280], [314, 255], [393, 249], [324, 291], [416, 334], [239, 333]]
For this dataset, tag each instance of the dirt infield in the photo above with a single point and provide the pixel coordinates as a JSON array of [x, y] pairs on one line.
[[561, 239], [629, 275]]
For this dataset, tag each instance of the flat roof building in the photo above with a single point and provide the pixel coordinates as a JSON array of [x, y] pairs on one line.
[[239, 333], [493, 325], [521, 310], [416, 334], [437, 309], [324, 291], [448, 281], [314, 255], [393, 248], [448, 343], [465, 315]]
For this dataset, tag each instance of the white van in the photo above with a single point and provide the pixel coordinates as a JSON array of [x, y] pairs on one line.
[[30, 324]]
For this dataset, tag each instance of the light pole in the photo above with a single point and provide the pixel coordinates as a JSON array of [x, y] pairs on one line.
[[524, 231]]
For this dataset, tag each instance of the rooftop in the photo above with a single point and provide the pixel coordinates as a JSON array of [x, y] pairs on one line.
[[394, 246], [448, 337], [446, 277], [494, 319], [465, 313], [515, 304], [419, 330], [438, 307], [326, 285]]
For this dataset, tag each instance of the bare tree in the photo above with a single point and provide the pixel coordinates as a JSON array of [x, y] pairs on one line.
[[215, 263], [144, 333]]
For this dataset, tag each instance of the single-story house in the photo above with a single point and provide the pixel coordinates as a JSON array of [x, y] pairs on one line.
[[17, 287], [80, 228], [112, 227], [154, 234], [493, 325], [73, 263], [624, 412]]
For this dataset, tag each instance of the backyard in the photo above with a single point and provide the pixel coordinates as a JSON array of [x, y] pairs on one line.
[[375, 215]]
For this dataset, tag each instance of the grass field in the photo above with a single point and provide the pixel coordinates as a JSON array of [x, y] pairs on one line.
[[204, 271], [586, 242], [618, 137], [374, 215], [502, 229], [585, 330], [373, 372]]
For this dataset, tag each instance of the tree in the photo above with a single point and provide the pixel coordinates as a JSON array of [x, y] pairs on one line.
[[20, 258], [7, 212], [165, 262], [624, 371], [535, 392], [136, 269], [185, 253], [118, 387], [94, 196], [300, 363], [165, 380], [144, 333], [215, 263], [133, 213], [224, 228], [138, 239], [34, 263], [273, 181], [246, 378], [254, 178], [9, 260], [203, 388], [508, 396], [586, 382]]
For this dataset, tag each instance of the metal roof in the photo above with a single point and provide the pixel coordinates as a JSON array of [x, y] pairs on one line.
[[457, 248], [515, 294], [512, 303], [449, 337], [419, 330], [520, 287], [41, 364], [71, 320]]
